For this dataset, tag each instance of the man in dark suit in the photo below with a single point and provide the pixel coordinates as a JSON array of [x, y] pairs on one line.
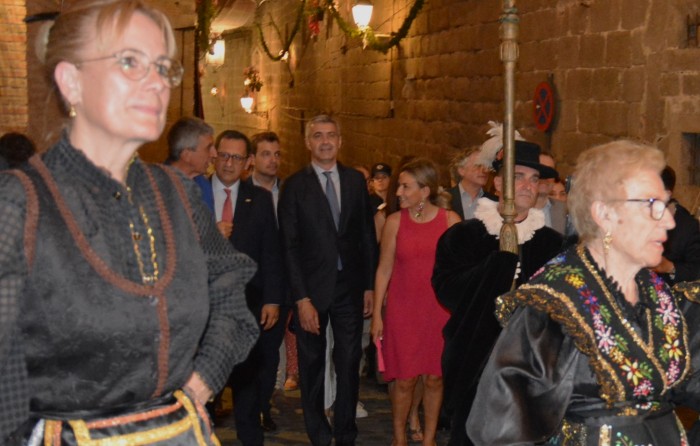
[[246, 216], [266, 155], [472, 178], [330, 251], [681, 259], [555, 212]]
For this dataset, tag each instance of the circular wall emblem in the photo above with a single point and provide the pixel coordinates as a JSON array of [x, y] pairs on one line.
[[543, 106]]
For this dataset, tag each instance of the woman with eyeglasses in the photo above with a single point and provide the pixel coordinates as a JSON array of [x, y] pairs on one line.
[[594, 348], [121, 306]]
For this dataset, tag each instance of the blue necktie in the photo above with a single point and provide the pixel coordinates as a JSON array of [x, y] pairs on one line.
[[332, 197]]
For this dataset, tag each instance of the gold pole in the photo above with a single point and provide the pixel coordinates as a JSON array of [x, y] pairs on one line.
[[509, 55]]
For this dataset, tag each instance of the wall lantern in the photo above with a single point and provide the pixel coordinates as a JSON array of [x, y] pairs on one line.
[[247, 103], [362, 13], [217, 54]]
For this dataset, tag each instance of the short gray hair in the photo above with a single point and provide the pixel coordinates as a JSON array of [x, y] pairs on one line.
[[318, 119], [600, 175], [184, 135]]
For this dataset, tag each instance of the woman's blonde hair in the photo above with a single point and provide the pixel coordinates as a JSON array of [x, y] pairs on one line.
[[600, 175], [426, 174], [87, 20]]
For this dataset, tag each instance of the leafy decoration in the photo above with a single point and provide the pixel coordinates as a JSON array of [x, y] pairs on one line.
[[314, 15], [287, 43], [207, 10]]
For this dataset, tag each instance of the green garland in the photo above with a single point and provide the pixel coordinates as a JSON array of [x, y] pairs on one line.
[[368, 36], [290, 39], [206, 12]]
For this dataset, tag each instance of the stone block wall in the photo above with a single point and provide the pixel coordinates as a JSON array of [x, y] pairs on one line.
[[13, 67], [620, 68]]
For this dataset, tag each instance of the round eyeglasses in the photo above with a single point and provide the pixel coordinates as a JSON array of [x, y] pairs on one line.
[[135, 65], [657, 207]]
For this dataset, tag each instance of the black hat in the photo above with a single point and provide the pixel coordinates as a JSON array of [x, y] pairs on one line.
[[381, 168], [528, 154]]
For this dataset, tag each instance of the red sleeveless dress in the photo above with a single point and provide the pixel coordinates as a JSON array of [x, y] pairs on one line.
[[413, 319]]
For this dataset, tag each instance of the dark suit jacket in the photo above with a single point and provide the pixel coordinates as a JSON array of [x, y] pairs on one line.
[[456, 201], [311, 242], [557, 214], [255, 233], [683, 247]]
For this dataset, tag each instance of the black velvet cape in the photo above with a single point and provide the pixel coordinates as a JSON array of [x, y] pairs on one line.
[[470, 272]]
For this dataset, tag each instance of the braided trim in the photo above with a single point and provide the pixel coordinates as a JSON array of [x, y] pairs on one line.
[[171, 259], [561, 309], [689, 290], [117, 280], [32, 216]]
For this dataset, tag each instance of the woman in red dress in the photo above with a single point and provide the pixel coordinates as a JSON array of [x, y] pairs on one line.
[[411, 330]]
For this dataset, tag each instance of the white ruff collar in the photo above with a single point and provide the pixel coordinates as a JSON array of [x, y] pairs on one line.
[[487, 212]]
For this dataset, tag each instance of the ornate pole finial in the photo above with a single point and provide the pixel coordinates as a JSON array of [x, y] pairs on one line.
[[509, 56]]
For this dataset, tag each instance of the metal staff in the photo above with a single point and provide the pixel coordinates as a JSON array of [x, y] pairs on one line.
[[509, 55]]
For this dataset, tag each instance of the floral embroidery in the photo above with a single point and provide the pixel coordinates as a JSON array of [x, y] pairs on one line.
[[645, 367], [624, 440]]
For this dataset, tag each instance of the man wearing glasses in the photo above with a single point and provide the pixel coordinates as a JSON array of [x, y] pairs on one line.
[[245, 215]]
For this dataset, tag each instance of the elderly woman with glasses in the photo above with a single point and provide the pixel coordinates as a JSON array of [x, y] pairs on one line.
[[121, 306], [594, 347]]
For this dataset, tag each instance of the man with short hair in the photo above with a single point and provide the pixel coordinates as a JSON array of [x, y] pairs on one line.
[[554, 210], [266, 157], [191, 146], [681, 259], [330, 250], [472, 178], [245, 215], [471, 272]]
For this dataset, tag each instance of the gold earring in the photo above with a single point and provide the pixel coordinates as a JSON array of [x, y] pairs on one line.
[[71, 112], [607, 240]]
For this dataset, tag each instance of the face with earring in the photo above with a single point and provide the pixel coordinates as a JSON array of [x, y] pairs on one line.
[[104, 101], [634, 237], [411, 195]]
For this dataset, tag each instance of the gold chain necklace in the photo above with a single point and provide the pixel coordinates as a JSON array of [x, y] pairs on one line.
[[148, 279]]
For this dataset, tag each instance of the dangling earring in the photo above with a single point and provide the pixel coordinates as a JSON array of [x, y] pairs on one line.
[[607, 240], [419, 212], [71, 112]]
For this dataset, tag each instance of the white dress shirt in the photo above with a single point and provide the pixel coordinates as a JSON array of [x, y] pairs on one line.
[[220, 195]]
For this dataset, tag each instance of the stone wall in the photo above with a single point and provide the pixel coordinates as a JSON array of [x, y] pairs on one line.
[[13, 67], [620, 68]]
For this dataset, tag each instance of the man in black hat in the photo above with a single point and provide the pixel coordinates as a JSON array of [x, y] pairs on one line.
[[471, 272]]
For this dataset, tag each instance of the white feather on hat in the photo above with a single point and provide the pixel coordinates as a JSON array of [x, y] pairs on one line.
[[490, 148]]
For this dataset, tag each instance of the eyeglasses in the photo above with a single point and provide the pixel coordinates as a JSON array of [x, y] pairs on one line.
[[224, 157], [657, 207], [135, 65]]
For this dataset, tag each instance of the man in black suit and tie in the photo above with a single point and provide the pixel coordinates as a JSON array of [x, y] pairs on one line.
[[330, 251], [245, 215]]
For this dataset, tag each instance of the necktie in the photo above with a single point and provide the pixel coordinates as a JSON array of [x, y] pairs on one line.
[[332, 197], [227, 212]]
